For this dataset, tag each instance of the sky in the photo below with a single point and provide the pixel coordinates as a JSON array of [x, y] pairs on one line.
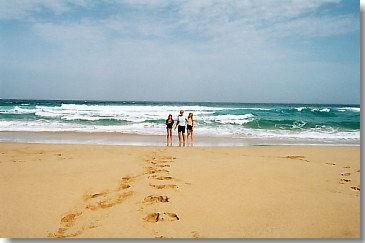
[[254, 51]]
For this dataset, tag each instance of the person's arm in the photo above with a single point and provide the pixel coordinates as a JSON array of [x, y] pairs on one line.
[[177, 123]]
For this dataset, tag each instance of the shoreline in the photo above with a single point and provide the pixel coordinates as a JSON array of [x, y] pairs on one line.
[[105, 138], [101, 191]]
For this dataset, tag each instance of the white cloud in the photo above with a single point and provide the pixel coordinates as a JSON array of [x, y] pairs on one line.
[[231, 32], [281, 18], [316, 27], [23, 9], [207, 19], [68, 33], [143, 3], [207, 45]]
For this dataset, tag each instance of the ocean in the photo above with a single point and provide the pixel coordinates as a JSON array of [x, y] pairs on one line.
[[281, 123]]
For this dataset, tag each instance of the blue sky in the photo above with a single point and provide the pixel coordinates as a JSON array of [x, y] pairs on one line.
[[291, 51]]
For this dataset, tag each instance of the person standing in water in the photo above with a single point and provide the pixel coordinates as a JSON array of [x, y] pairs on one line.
[[169, 124], [181, 128], [190, 125]]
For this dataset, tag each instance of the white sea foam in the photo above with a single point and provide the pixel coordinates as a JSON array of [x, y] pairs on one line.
[[298, 124], [313, 109], [231, 119], [131, 113], [149, 119], [159, 129], [300, 108], [354, 109], [252, 108], [17, 110], [325, 110]]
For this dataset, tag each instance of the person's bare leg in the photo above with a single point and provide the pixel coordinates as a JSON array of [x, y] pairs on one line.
[[180, 138], [167, 138], [184, 138], [170, 139], [189, 138]]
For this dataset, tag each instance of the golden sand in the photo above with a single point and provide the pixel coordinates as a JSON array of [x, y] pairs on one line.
[[197, 192]]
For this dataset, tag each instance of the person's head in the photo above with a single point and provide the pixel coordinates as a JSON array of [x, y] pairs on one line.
[[190, 115], [181, 112], [169, 117]]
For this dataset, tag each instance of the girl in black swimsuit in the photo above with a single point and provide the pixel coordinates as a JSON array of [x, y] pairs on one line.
[[169, 124]]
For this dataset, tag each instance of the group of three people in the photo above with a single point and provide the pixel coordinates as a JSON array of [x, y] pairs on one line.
[[180, 124]]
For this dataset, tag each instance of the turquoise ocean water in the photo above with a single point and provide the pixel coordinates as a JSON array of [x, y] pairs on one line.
[[337, 124]]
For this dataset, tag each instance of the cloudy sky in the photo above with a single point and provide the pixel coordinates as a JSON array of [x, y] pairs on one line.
[[292, 51]]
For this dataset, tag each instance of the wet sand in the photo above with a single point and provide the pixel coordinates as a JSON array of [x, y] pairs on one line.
[[107, 191], [109, 138]]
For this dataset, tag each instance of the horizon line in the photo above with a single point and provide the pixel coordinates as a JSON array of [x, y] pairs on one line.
[[140, 101]]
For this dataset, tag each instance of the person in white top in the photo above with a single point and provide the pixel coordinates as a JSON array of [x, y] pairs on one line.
[[181, 128]]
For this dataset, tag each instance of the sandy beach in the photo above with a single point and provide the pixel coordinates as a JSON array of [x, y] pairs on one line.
[[107, 191]]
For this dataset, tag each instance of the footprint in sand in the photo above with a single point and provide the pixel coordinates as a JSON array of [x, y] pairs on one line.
[[344, 180], [355, 188], [157, 172], [347, 167], [151, 170], [124, 184], [333, 164], [158, 235], [69, 219], [18, 161], [126, 179], [94, 201], [105, 200], [70, 228], [164, 186], [345, 174], [161, 178], [60, 156], [155, 199], [162, 165], [95, 195], [66, 223], [170, 158], [161, 217], [151, 162], [164, 178], [195, 234], [165, 161]]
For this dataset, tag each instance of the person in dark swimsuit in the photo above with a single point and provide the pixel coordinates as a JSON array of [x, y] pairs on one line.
[[169, 124]]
